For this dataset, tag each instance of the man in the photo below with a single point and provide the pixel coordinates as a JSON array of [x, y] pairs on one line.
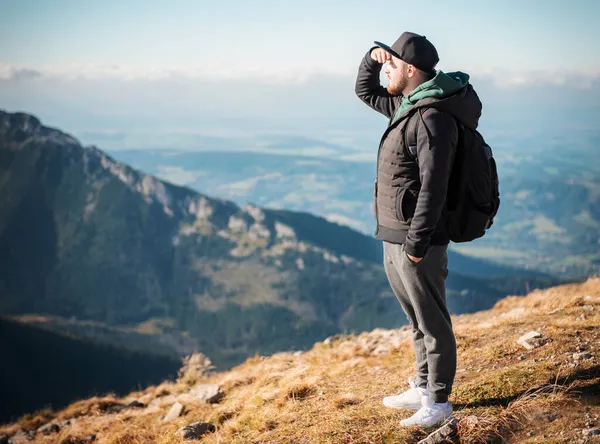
[[414, 163]]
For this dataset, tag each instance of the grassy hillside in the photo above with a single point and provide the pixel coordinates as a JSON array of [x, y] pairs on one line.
[[332, 393]]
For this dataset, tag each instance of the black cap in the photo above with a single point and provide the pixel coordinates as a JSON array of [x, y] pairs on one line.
[[415, 50]]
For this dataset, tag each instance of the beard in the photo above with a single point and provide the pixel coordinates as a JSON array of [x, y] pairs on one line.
[[396, 88]]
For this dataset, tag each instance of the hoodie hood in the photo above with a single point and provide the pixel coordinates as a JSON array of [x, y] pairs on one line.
[[449, 92]]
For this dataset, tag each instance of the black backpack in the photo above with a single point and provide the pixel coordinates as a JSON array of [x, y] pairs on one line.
[[473, 196]]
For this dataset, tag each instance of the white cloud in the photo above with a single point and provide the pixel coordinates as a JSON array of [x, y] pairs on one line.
[[118, 107], [212, 71], [501, 78], [511, 80], [8, 72]]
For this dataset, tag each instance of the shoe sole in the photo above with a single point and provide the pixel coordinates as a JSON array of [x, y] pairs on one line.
[[405, 406], [436, 425]]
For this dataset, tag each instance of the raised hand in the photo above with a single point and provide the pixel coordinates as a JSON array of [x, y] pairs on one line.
[[380, 55]]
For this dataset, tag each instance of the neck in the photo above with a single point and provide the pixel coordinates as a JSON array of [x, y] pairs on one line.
[[411, 86]]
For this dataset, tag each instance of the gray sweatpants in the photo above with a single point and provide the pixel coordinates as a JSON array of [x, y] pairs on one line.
[[421, 290]]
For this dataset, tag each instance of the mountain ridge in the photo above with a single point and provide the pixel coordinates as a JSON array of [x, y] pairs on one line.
[[88, 237]]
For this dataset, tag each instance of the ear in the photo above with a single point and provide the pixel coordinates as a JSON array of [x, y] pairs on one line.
[[411, 71]]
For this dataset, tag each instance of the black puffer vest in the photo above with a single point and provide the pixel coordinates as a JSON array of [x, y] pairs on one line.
[[397, 185]]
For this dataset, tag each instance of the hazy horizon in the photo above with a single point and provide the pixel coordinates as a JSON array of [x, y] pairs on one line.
[[151, 75]]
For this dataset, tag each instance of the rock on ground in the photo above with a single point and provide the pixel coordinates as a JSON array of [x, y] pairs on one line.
[[445, 434], [49, 428], [175, 412], [532, 340], [22, 436], [77, 440], [591, 432], [195, 430], [209, 393]]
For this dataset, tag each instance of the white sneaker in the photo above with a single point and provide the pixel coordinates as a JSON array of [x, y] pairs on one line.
[[410, 399], [430, 414]]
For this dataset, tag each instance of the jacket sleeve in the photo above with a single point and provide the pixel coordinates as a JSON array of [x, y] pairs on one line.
[[369, 89], [437, 136]]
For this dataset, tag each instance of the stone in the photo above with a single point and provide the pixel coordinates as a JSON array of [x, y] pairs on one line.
[[135, 404], [112, 407], [77, 440], [551, 416], [532, 340], [471, 420], [196, 430], [146, 399], [591, 432], [164, 400], [582, 355], [175, 412], [22, 436], [185, 398], [445, 434], [49, 428], [208, 393], [330, 339], [65, 423]]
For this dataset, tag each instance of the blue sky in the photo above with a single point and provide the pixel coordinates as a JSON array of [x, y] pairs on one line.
[[274, 65], [284, 35]]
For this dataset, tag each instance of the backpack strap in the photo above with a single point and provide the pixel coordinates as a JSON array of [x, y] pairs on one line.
[[412, 128]]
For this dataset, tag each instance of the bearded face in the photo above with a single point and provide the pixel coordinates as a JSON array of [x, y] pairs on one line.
[[397, 76]]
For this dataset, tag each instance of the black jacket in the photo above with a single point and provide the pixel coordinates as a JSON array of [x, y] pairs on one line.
[[411, 185]]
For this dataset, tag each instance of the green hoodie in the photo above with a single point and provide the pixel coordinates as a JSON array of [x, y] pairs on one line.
[[442, 85]]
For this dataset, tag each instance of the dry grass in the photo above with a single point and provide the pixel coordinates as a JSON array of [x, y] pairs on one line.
[[523, 410], [333, 392], [35, 420]]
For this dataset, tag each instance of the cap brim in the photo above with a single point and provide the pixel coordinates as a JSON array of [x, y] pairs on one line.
[[387, 48]]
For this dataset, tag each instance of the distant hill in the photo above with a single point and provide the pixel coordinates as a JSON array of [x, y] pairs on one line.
[[44, 369], [85, 237], [549, 219]]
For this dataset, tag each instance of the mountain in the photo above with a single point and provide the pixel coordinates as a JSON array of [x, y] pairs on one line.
[[549, 218], [545, 391], [84, 237]]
